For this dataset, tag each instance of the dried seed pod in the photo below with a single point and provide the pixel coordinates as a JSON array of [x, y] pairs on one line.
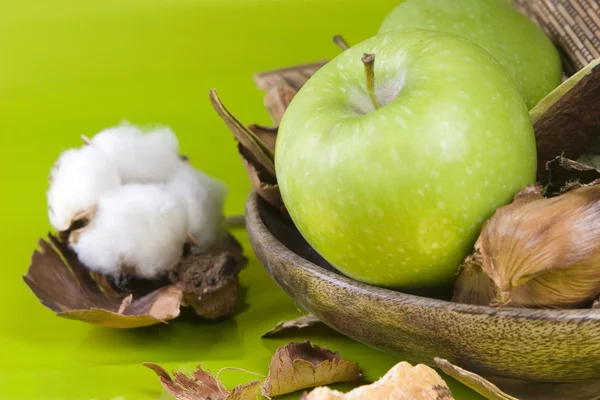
[[543, 252], [473, 286]]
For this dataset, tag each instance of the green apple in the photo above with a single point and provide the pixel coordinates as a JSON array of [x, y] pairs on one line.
[[516, 42], [395, 195]]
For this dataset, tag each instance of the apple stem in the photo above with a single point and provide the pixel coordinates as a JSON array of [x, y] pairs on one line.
[[369, 62], [341, 42]]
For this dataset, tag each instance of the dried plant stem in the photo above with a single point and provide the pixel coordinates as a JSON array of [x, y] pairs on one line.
[[237, 369], [341, 42], [86, 139], [369, 63], [192, 240], [235, 221]]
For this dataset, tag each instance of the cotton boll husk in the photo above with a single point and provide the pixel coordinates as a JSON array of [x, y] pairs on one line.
[[138, 230], [77, 181], [140, 157], [204, 197]]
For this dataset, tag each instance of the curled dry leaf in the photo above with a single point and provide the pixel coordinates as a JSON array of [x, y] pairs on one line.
[[299, 323], [277, 100], [564, 173], [209, 280], [201, 385], [402, 382], [566, 122], [473, 381], [294, 77], [256, 145], [297, 366], [262, 154], [543, 252], [266, 133], [66, 287]]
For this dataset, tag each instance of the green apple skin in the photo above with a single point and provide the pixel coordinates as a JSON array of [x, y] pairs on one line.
[[516, 42], [396, 196]]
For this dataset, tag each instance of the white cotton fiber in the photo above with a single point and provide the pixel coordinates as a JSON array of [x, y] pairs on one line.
[[78, 179], [140, 157], [138, 229], [204, 197]]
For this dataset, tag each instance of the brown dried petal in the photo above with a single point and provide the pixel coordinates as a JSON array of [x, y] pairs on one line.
[[563, 173], [201, 385], [294, 77], [277, 100], [66, 287], [299, 323], [401, 382], [298, 366], [209, 280], [567, 122], [473, 381]]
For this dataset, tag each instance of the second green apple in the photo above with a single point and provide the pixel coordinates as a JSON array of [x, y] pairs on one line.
[[516, 42]]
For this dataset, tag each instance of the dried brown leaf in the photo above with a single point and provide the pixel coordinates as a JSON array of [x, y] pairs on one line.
[[299, 323], [401, 382], [209, 279], [261, 153], [277, 100], [473, 381], [267, 134], [297, 366], [563, 173], [201, 385], [567, 122], [66, 287], [294, 77], [256, 145], [268, 191]]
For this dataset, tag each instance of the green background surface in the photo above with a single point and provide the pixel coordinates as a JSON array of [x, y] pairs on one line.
[[74, 67]]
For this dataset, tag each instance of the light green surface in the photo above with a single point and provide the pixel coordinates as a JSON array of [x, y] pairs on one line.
[[73, 67]]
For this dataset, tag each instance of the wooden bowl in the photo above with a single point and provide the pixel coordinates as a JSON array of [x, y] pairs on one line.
[[529, 353]]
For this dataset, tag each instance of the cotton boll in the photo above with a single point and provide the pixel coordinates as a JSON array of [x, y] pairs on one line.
[[140, 157], [137, 230], [162, 137], [77, 181], [112, 140], [204, 197]]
